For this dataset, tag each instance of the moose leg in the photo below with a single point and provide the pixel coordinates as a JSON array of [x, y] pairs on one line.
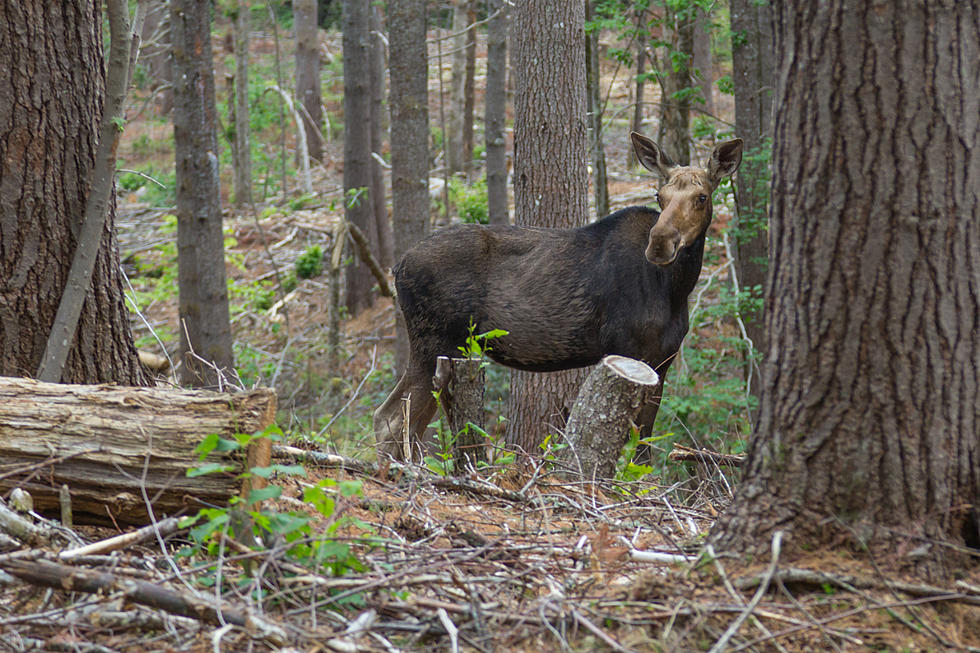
[[389, 419]]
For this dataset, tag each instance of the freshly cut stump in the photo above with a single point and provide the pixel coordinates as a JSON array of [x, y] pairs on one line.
[[606, 407]]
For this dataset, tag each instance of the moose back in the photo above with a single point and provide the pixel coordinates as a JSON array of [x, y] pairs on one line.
[[566, 297]]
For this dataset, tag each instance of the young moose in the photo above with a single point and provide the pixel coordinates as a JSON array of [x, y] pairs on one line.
[[566, 297]]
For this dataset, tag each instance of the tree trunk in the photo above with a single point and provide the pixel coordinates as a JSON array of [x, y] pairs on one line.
[[593, 82], [702, 60], [461, 383], [409, 106], [550, 177], [469, 82], [49, 122], [155, 55], [496, 113], [382, 225], [869, 429], [642, 43], [121, 440], [205, 329], [242, 175], [308, 74], [606, 408], [754, 78], [675, 102], [359, 202]]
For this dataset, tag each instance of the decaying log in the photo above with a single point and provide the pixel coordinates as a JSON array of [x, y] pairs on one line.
[[461, 385], [680, 453], [108, 443], [607, 405]]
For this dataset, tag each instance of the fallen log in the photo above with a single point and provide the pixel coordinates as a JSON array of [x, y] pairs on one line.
[[111, 445]]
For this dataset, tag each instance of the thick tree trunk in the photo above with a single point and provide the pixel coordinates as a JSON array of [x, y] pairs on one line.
[[409, 107], [869, 430], [675, 103], [359, 202], [600, 186], [242, 174], [120, 441], [379, 204], [461, 385], [702, 60], [308, 74], [496, 113], [205, 329], [49, 124], [607, 406], [754, 79], [550, 177]]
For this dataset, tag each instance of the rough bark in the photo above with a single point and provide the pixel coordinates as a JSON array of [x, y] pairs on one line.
[[869, 429], [382, 225], [461, 383], [205, 329], [496, 113], [702, 60], [359, 203], [640, 81], [49, 122], [607, 406], [155, 55], [112, 442], [308, 74], [408, 100], [550, 177], [675, 103], [600, 185], [754, 79], [242, 172]]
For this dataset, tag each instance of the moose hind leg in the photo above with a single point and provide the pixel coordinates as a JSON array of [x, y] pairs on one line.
[[389, 419], [389, 422]]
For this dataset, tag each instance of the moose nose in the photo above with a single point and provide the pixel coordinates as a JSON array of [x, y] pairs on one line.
[[663, 246]]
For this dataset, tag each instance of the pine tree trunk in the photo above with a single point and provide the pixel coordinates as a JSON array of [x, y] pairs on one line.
[[675, 104], [702, 60], [49, 122], [593, 81], [754, 80], [869, 429], [242, 177], [205, 329], [379, 204], [457, 84], [550, 177], [408, 101], [308, 74], [496, 113], [358, 202]]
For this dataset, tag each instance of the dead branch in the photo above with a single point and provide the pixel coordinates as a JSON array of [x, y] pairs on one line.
[[681, 453]]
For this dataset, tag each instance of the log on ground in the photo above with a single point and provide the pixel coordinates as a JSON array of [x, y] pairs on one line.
[[109, 443], [606, 407]]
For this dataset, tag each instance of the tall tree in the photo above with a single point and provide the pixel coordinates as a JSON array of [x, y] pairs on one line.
[[382, 224], [359, 202], [675, 80], [701, 60], [49, 129], [205, 329], [409, 107], [593, 83], [242, 175], [551, 182], [496, 112], [308, 74], [869, 430], [459, 130], [754, 79]]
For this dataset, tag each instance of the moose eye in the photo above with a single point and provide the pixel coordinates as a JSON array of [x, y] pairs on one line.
[[656, 196], [702, 199]]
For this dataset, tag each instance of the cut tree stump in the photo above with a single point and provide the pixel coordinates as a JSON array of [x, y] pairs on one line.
[[462, 382], [107, 443], [606, 407]]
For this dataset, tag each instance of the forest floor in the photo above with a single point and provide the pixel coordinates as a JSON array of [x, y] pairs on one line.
[[515, 558]]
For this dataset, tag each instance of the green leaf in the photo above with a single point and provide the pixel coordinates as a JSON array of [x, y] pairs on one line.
[[209, 468], [286, 470], [270, 492]]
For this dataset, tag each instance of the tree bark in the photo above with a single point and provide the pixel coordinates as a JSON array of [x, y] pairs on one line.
[[49, 124], [606, 408], [242, 173], [308, 74], [702, 60], [754, 80], [379, 204], [409, 106], [869, 428], [593, 82], [205, 328], [675, 102], [461, 382], [359, 202], [114, 442], [550, 177], [496, 113]]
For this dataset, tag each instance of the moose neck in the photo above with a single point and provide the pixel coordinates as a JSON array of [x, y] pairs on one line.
[[686, 269]]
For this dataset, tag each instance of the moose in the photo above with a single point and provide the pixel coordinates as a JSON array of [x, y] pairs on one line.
[[565, 297]]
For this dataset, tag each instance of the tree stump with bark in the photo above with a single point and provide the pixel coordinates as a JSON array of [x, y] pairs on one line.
[[605, 409], [461, 382], [118, 447]]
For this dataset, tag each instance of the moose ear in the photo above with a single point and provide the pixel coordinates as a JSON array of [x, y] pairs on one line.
[[725, 160], [651, 156]]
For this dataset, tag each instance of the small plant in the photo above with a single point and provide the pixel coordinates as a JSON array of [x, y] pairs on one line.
[[309, 264], [478, 345], [470, 200]]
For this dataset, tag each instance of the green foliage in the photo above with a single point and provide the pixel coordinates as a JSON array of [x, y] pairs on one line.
[[470, 200], [309, 264], [259, 527], [479, 345]]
